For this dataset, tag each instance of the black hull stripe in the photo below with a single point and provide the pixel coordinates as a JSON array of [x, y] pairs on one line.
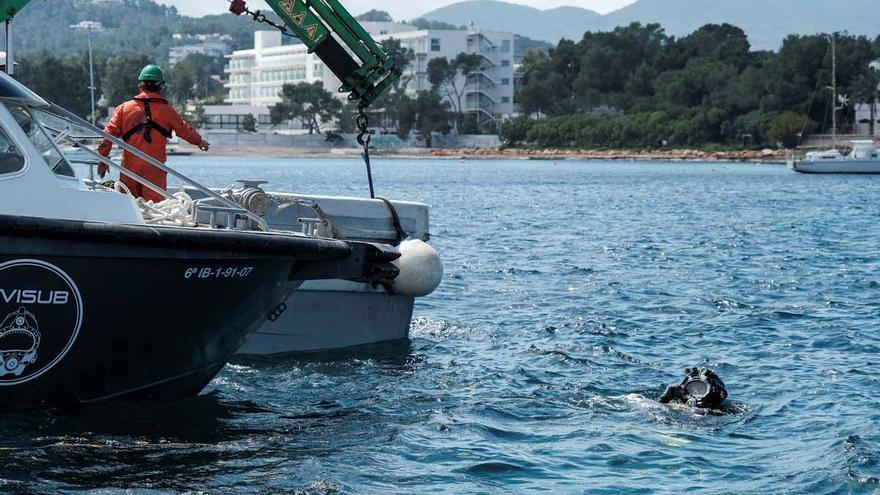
[[157, 383], [262, 243]]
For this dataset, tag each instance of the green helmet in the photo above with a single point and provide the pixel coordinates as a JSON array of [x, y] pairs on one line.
[[152, 73]]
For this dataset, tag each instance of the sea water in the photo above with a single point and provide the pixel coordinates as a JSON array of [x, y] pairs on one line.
[[574, 292]]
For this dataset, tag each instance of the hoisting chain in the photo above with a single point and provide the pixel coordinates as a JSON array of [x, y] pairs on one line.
[[238, 7], [363, 138]]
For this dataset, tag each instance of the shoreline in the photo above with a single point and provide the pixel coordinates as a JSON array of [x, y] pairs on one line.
[[671, 155]]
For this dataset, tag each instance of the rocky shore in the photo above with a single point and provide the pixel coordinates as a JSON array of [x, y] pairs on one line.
[[765, 156]]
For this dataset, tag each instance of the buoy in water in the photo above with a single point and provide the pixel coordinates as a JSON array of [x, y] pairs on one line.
[[421, 269]]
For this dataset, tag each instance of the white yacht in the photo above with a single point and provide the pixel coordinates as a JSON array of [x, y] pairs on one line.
[[863, 159]]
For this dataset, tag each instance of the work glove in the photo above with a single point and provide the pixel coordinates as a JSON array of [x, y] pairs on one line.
[[204, 145]]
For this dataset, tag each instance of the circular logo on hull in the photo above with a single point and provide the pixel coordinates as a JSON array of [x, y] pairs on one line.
[[40, 317]]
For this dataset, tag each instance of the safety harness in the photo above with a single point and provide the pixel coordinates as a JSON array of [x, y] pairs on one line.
[[148, 125]]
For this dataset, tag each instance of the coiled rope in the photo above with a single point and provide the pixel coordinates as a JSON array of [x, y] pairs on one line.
[[178, 210]]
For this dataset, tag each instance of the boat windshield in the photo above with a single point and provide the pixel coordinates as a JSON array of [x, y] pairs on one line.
[[41, 140], [10, 159]]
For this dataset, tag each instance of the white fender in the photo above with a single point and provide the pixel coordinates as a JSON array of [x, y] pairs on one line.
[[421, 269]]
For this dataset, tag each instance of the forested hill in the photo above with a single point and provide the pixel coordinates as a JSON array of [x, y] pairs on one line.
[[131, 26], [766, 22]]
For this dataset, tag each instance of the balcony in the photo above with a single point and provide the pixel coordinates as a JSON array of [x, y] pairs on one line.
[[481, 92], [481, 74]]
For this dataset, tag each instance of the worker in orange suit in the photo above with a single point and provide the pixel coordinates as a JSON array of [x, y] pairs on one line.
[[146, 122]]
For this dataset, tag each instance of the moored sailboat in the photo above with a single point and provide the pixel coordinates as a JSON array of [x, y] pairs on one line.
[[864, 158]]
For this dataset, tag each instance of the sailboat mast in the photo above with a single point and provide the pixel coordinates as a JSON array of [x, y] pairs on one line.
[[834, 90]]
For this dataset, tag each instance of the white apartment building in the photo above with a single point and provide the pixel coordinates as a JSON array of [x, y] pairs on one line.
[[488, 92], [213, 45], [209, 48], [257, 75]]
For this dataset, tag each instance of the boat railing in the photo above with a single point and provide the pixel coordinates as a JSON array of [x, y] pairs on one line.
[[795, 155], [829, 140], [79, 141]]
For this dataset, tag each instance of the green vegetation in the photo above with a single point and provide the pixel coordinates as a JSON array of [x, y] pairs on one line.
[[422, 23], [523, 45], [119, 82], [66, 80], [636, 86], [426, 113], [375, 15], [393, 111], [194, 78], [385, 112], [309, 103], [249, 124], [129, 27], [448, 77]]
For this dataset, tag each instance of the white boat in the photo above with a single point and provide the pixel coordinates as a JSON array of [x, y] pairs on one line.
[[334, 314], [863, 159], [105, 297]]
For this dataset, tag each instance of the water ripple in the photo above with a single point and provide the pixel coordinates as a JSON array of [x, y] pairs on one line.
[[574, 293]]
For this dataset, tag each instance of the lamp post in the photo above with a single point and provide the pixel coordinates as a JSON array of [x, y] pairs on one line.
[[10, 54], [88, 26]]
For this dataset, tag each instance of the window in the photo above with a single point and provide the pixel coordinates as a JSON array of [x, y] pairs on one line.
[[505, 81], [42, 142], [505, 63], [10, 158], [505, 46], [435, 44], [505, 99]]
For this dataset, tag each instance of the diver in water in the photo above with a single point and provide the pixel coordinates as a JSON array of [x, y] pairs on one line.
[[701, 388]]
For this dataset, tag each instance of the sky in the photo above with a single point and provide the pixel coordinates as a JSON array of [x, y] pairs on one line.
[[399, 9]]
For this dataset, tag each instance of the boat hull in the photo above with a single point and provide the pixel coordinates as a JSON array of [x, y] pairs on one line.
[[330, 315], [837, 167], [132, 313]]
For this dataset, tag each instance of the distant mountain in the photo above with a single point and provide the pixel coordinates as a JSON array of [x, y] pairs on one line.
[[548, 25], [767, 22]]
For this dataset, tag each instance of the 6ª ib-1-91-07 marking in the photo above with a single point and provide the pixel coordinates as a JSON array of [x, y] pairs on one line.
[[219, 272]]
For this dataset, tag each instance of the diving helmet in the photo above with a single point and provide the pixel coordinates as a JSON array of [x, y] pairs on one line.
[[701, 387], [19, 341]]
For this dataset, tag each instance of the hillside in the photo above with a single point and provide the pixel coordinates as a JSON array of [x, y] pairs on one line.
[[548, 25], [143, 26], [766, 22], [131, 26]]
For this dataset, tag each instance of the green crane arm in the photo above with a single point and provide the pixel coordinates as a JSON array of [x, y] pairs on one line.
[[8, 8], [363, 67]]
